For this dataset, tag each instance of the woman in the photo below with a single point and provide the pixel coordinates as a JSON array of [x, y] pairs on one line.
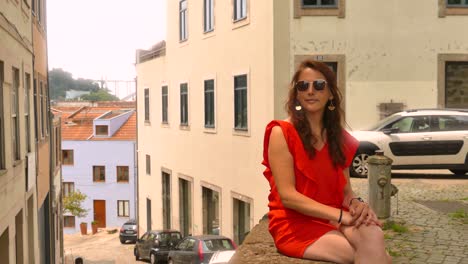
[[314, 213]]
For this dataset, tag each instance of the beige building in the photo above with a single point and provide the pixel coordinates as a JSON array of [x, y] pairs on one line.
[[206, 94], [29, 207]]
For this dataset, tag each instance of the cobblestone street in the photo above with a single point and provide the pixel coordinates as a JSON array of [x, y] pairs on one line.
[[434, 235]]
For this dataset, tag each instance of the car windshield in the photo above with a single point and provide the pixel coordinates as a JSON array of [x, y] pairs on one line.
[[217, 244], [384, 122]]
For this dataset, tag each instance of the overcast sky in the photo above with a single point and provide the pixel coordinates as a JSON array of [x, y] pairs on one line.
[[97, 38]]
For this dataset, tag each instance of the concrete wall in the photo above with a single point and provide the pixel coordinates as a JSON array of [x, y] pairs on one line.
[[391, 50], [104, 153], [220, 158]]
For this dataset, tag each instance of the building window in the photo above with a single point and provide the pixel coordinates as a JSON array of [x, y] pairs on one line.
[[241, 220], [166, 200], [41, 111], [68, 188], [33, 6], [2, 121], [15, 114], [122, 173], [69, 221], [456, 84], [457, 3], [209, 104], [148, 164], [240, 9], [27, 120], [123, 208], [183, 104], [185, 207], [208, 15], [319, 3], [164, 103], [210, 208], [319, 8], [147, 101], [102, 130], [99, 173], [183, 20], [240, 102], [67, 157]]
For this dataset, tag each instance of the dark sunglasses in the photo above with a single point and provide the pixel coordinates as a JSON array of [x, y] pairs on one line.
[[319, 85]]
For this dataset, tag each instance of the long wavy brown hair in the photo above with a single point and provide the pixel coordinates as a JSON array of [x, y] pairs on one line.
[[332, 120]]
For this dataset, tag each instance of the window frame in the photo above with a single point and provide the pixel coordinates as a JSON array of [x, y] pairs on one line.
[[102, 169], [241, 127], [67, 188], [212, 188], [183, 24], [165, 104], [148, 164], [320, 5], [338, 10], [243, 14], [184, 105], [209, 110], [147, 105], [446, 9], [100, 130], [72, 157], [166, 196], [119, 169], [27, 109], [125, 213], [2, 119], [15, 114], [65, 221], [208, 16]]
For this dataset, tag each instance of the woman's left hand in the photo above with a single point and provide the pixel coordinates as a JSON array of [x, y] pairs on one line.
[[363, 214]]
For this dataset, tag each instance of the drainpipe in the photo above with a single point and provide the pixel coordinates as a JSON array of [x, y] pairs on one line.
[[135, 160]]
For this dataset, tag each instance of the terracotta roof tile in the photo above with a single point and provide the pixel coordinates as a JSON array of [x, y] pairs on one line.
[[80, 126]]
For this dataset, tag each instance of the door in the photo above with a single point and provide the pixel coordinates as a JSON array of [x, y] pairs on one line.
[[412, 144], [451, 138], [148, 214], [100, 212]]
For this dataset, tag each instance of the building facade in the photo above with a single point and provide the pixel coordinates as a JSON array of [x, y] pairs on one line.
[[98, 159], [29, 220], [206, 93]]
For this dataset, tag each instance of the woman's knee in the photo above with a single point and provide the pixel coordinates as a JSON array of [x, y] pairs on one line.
[[370, 235]]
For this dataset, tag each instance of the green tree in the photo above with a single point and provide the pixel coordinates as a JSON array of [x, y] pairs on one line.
[[99, 95], [72, 203], [61, 81]]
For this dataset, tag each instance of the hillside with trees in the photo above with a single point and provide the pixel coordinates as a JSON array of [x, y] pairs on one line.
[[61, 81]]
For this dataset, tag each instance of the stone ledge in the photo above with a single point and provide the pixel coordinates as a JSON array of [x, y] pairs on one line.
[[259, 248]]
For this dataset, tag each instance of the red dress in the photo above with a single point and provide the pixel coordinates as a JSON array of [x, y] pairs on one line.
[[316, 178]]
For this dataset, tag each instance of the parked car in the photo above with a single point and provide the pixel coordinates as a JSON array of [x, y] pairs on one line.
[[199, 249], [155, 245], [128, 231], [417, 139]]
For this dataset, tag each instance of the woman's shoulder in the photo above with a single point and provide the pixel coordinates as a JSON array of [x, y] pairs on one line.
[[283, 123]]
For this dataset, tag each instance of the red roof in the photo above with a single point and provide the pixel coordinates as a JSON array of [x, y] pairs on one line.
[[77, 123]]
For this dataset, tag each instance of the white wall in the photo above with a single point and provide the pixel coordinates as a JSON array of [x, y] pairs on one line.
[[104, 153]]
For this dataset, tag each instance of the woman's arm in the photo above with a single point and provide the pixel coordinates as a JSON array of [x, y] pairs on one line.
[[282, 167], [360, 212]]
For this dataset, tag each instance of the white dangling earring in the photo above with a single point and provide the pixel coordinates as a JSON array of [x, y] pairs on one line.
[[298, 107]]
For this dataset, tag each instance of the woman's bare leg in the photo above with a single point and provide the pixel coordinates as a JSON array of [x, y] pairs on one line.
[[333, 246], [368, 242]]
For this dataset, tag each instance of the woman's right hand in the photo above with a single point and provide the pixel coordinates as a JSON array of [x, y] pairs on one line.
[[347, 219]]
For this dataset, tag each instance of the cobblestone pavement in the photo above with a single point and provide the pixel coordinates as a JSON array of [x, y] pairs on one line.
[[433, 236]]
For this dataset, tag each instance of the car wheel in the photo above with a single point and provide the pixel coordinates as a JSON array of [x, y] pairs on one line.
[[459, 172], [358, 167], [122, 241], [137, 255], [153, 259]]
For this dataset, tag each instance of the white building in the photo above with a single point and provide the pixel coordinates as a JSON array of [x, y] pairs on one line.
[[98, 159], [206, 93]]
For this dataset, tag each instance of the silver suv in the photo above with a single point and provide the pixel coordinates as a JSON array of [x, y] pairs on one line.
[[417, 139]]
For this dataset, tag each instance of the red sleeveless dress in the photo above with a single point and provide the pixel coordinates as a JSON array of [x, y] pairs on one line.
[[316, 178]]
